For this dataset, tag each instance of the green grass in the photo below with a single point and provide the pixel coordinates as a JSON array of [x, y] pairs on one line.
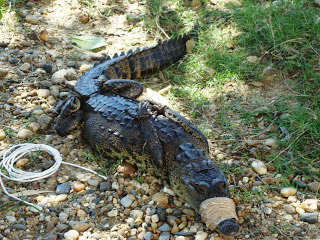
[[284, 35]]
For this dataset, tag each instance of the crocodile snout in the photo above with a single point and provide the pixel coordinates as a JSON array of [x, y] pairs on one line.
[[228, 227]]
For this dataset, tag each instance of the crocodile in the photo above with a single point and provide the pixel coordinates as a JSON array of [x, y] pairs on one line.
[[153, 137], [147, 134]]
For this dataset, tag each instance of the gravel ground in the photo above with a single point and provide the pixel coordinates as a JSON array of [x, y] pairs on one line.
[[36, 59]]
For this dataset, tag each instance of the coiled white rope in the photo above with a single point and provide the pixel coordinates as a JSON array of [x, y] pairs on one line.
[[18, 151]]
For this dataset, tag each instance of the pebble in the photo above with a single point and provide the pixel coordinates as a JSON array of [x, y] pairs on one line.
[[271, 143], [287, 217], [79, 226], [33, 19], [136, 214], [267, 210], [113, 213], [300, 210], [164, 227], [44, 121], [59, 77], [289, 209], [168, 190], [259, 167], [78, 186], [220, 156], [310, 205], [44, 93], [19, 226], [13, 60], [160, 199], [126, 169], [148, 236], [299, 184], [126, 201], [93, 182], [81, 213], [11, 219], [314, 186], [3, 73], [155, 218], [63, 188], [201, 235], [84, 68], [21, 162], [32, 221], [50, 226], [62, 227], [84, 17], [309, 217], [104, 186], [25, 67], [162, 214], [115, 185], [63, 217], [2, 134], [47, 67], [25, 134], [61, 197], [164, 236], [288, 191], [44, 36], [51, 237], [71, 235], [245, 179]]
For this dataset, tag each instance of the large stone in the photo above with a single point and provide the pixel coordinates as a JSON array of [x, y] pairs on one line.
[[259, 167], [63, 188], [71, 235], [309, 217], [160, 199], [288, 191], [33, 19], [25, 134], [310, 205]]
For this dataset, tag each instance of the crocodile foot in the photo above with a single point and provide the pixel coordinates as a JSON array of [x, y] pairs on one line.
[[142, 113]]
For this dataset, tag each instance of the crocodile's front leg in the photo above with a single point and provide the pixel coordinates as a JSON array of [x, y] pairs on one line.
[[149, 133], [184, 123], [123, 87]]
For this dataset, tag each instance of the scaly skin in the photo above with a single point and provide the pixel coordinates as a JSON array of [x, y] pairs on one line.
[[133, 65]]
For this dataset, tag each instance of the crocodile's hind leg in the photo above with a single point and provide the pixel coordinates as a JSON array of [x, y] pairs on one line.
[[149, 133], [124, 87]]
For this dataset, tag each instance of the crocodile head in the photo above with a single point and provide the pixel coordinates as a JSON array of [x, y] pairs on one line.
[[198, 179], [70, 116], [203, 179]]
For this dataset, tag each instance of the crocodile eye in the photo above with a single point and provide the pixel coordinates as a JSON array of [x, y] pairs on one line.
[[73, 105], [201, 187]]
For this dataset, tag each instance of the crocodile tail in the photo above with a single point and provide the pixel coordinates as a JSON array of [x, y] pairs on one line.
[[146, 61]]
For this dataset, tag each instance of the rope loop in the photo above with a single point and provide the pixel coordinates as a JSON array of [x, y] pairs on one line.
[[13, 154]]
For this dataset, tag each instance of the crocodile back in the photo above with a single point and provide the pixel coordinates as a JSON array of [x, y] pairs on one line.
[[111, 130]]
